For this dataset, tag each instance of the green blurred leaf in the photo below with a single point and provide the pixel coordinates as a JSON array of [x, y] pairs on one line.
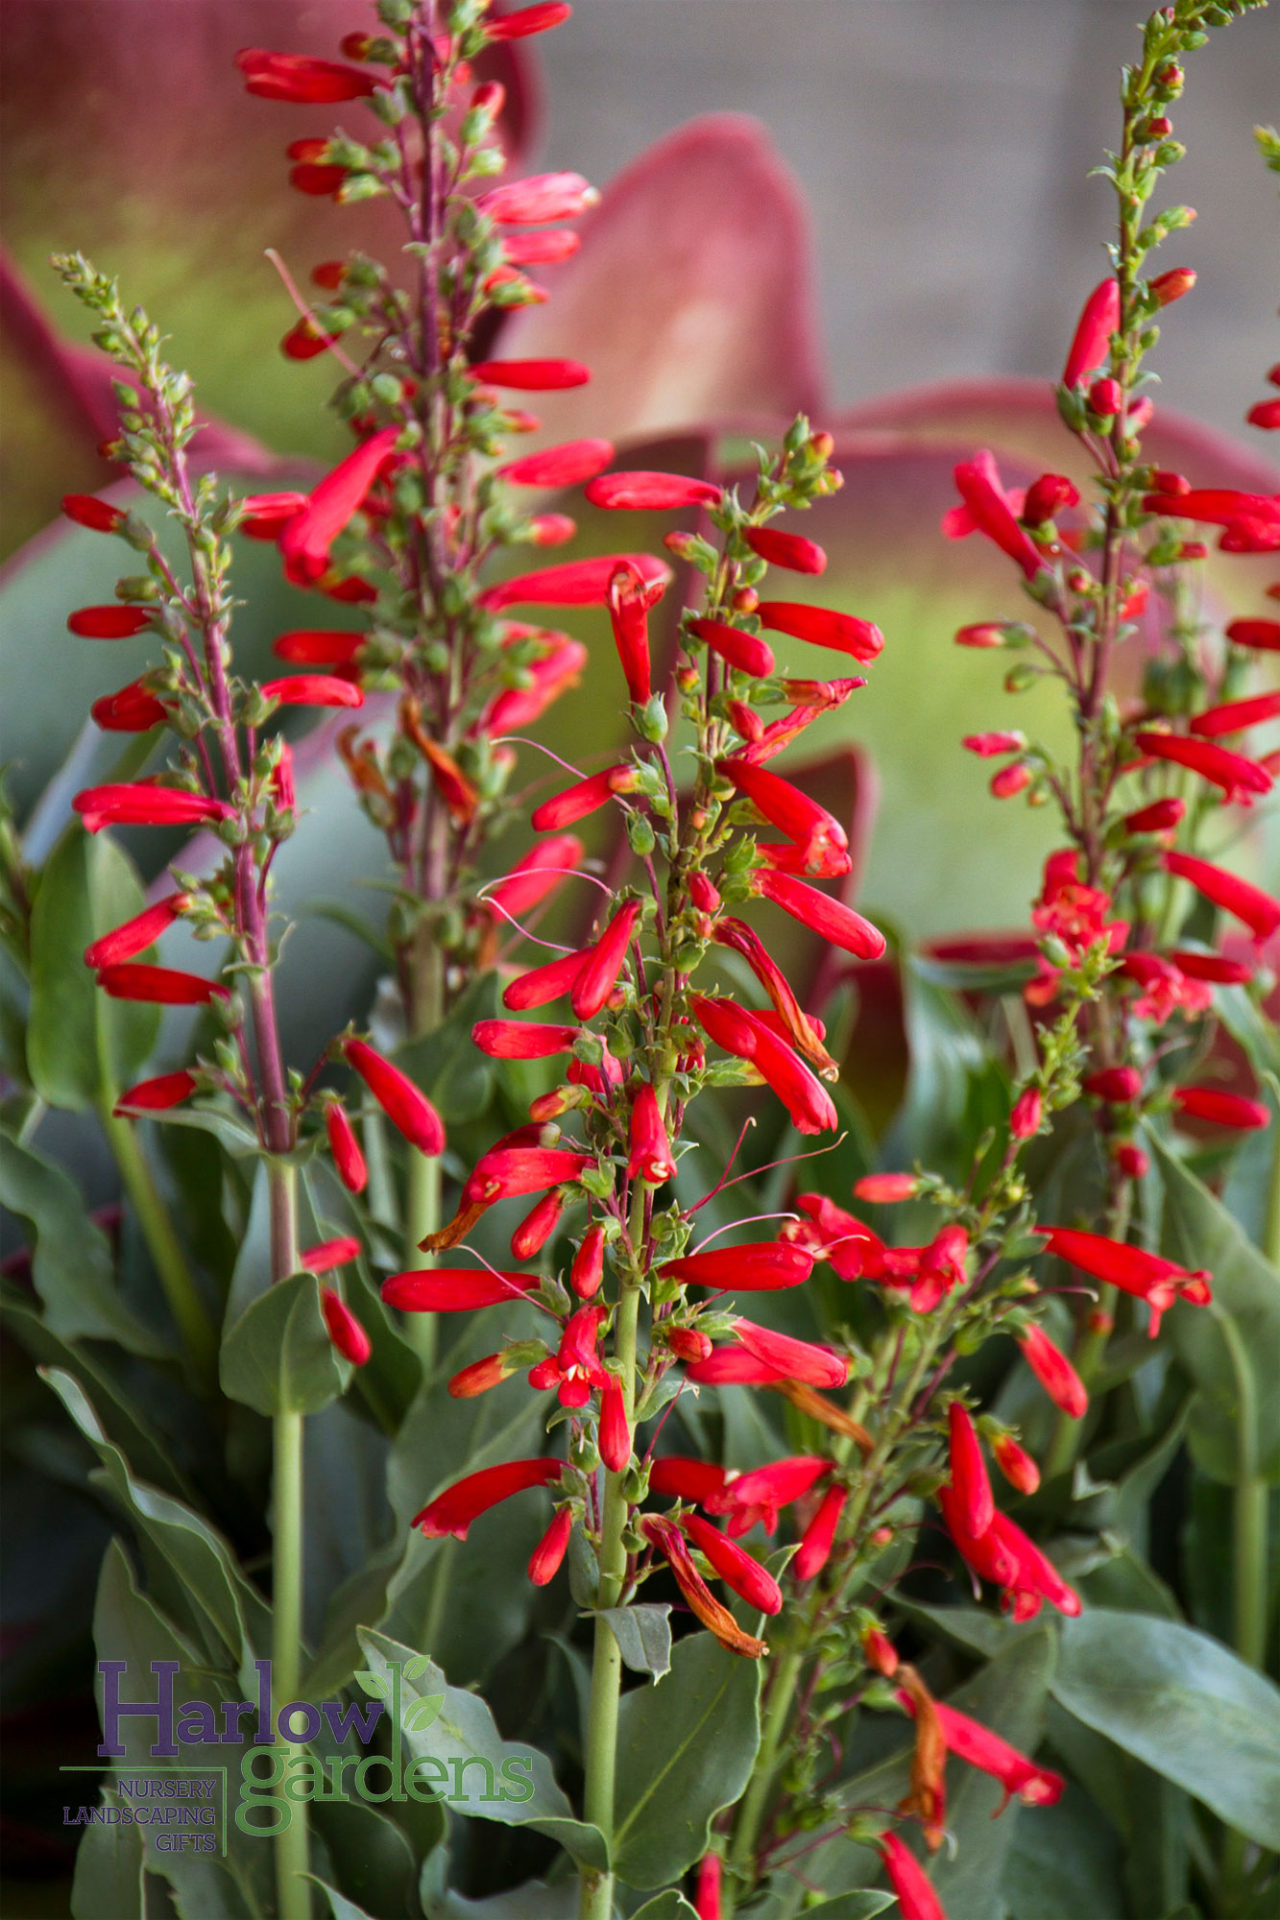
[[1182, 1704], [1064, 1863], [668, 1906], [371, 1858], [860, 1903], [340, 1908], [955, 1087], [190, 1570], [1231, 1349], [278, 1357], [685, 1750], [643, 1634], [82, 1046], [464, 1730], [110, 1875], [71, 1264]]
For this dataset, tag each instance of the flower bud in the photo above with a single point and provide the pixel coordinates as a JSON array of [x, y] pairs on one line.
[[1028, 1111], [1017, 1466], [1106, 397]]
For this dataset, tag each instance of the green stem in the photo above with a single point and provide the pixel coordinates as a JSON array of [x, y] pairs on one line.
[[293, 1890], [1087, 1359], [423, 1188], [165, 1248], [781, 1692], [595, 1890]]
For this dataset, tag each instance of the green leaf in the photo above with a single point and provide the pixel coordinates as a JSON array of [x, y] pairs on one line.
[[370, 1856], [71, 1266], [110, 1874], [82, 1046], [955, 1088], [860, 1903], [278, 1357], [1184, 1705], [685, 1751], [190, 1569], [668, 1906], [340, 1908], [1065, 1862], [464, 1731], [1231, 1349], [643, 1634], [533, 1901], [450, 1069]]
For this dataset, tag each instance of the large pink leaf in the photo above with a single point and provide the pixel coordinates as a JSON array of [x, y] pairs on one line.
[[692, 297]]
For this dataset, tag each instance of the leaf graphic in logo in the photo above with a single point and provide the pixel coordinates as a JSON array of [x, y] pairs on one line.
[[421, 1667], [374, 1684], [418, 1716]]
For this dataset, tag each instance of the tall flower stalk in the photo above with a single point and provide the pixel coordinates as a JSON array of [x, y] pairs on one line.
[[229, 774], [408, 524]]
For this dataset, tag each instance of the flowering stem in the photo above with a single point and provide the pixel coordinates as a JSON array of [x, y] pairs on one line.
[[293, 1892], [165, 1248], [423, 1184], [595, 1899]]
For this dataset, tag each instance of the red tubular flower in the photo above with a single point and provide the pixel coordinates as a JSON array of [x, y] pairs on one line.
[[563, 466], [614, 1435], [537, 874], [794, 1359], [1010, 781], [978, 481], [540, 985], [706, 1899], [1054, 1371], [540, 18], [108, 623], [345, 1148], [988, 744], [630, 596], [971, 1487], [587, 1271], [453, 1510], [909, 1881], [880, 1653], [785, 807], [733, 1367], [1106, 397], [789, 550], [263, 515], [1016, 1464], [1118, 1085], [1264, 635], [829, 865], [1172, 285], [133, 709], [985, 1553], [1214, 967], [1026, 1114], [1258, 911], [820, 1535], [649, 492], [574, 583], [142, 931], [650, 1156], [522, 1039], [604, 962], [835, 922], [1160, 817], [766, 1489], [307, 538], [313, 690], [1238, 777], [1235, 715], [1148, 1276], [796, 1024], [979, 1747], [686, 1479], [735, 1566], [297, 78], [886, 1188], [1218, 506], [1036, 1578], [509, 1170], [584, 797], [538, 1225], [822, 627], [533, 202], [811, 1107], [1047, 496], [345, 1331], [454, 1289], [158, 1095], [327, 1254], [405, 1105], [1091, 344], [541, 249], [1223, 1109], [480, 1377], [314, 647], [531, 376], [716, 1618], [745, 652], [88, 511], [688, 1344], [761, 1266], [1265, 414], [162, 986], [547, 1557], [829, 1233]]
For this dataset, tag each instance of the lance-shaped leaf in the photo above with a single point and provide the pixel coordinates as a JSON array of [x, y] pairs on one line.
[[685, 1750], [478, 1773], [278, 1357]]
